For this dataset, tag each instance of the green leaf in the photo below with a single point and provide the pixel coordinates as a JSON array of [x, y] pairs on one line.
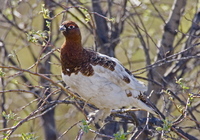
[[191, 99], [43, 43], [120, 136], [159, 128], [167, 125], [48, 23], [10, 116], [33, 36], [112, 20], [29, 136], [85, 127], [45, 12], [181, 84], [2, 74]]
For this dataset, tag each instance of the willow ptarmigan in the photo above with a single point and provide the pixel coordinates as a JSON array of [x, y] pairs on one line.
[[99, 79]]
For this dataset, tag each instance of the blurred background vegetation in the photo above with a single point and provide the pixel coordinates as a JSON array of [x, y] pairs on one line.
[[157, 40]]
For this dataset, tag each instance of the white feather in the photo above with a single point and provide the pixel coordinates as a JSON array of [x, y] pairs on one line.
[[106, 89]]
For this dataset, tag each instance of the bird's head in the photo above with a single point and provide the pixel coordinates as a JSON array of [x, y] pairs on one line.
[[70, 30]]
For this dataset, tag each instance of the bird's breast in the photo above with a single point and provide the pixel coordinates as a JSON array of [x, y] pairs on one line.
[[96, 90]]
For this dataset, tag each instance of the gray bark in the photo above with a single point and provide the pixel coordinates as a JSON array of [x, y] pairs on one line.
[[166, 48]]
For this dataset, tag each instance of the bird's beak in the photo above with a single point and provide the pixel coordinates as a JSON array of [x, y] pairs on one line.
[[62, 28]]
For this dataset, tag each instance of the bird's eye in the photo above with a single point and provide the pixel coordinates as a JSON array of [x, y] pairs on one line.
[[71, 27]]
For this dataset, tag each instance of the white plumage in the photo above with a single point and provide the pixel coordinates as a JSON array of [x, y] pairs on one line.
[[99, 79], [106, 89]]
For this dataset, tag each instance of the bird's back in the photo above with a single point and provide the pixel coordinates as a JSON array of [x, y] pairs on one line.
[[110, 84]]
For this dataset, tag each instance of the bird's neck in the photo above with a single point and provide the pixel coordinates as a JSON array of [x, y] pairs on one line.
[[72, 51]]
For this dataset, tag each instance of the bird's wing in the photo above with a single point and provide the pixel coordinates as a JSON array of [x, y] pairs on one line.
[[111, 69]]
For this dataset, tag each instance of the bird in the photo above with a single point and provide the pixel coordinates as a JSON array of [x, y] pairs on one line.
[[99, 79]]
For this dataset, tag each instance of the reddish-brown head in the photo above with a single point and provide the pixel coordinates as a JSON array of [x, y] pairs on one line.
[[71, 31], [71, 50]]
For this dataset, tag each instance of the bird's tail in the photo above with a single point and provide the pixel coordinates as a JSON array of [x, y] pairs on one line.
[[150, 107], [147, 105], [155, 109]]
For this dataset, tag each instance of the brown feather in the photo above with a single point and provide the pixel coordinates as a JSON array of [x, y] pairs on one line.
[[74, 58]]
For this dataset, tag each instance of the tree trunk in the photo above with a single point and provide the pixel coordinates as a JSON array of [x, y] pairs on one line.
[[165, 49], [48, 118]]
